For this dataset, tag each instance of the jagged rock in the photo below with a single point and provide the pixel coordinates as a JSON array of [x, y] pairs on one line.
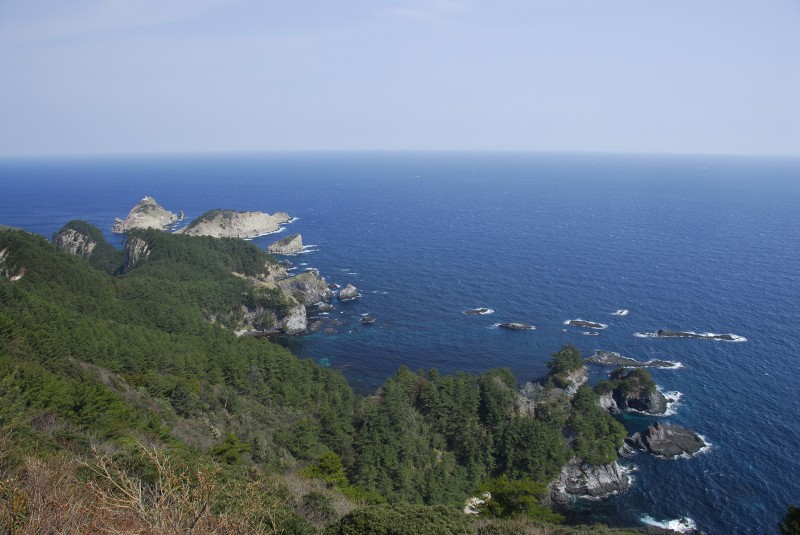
[[233, 224], [136, 252], [667, 440], [146, 214], [579, 478], [289, 245], [652, 403], [324, 307], [74, 242], [348, 292], [368, 320], [309, 288]]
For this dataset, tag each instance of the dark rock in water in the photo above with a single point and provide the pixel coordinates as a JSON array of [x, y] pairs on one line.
[[515, 326], [285, 263], [478, 311], [664, 333], [367, 320], [348, 292], [666, 440], [330, 330], [653, 403], [324, 307], [610, 358], [585, 324], [579, 478]]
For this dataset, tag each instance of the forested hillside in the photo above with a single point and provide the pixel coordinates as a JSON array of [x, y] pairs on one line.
[[118, 376]]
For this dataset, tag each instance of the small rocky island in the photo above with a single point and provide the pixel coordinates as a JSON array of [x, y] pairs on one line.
[[516, 326], [146, 214], [290, 245], [611, 358], [233, 224], [480, 311], [665, 333], [348, 293], [583, 324], [665, 440]]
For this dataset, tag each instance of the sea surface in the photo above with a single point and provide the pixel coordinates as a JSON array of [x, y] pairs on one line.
[[706, 244]]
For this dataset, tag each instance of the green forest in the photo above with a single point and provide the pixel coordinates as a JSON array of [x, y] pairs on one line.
[[124, 407]]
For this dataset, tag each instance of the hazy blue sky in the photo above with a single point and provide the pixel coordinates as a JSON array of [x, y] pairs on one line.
[[121, 76]]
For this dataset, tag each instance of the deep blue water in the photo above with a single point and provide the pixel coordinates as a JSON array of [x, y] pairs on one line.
[[694, 243]]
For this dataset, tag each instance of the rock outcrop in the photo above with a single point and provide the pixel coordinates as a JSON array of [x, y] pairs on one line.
[[290, 245], [666, 440], [233, 224], [348, 293], [136, 252], [11, 272], [632, 391], [575, 379], [146, 214], [74, 242], [578, 478], [308, 288], [261, 320]]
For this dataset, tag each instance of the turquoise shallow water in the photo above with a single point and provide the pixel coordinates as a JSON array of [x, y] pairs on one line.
[[703, 244]]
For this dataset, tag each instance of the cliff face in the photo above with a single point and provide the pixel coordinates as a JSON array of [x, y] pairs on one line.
[[287, 246], [146, 214], [136, 252], [579, 478], [233, 224], [74, 242], [308, 288]]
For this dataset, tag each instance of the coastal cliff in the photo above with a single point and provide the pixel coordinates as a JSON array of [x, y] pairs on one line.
[[233, 224], [580, 479], [146, 214]]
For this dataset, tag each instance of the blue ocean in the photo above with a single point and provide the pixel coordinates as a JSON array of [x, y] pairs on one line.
[[704, 244]]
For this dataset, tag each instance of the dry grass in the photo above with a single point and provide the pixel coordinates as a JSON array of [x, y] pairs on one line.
[[70, 496]]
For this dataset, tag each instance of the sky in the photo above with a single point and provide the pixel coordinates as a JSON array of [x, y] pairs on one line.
[[161, 76]]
